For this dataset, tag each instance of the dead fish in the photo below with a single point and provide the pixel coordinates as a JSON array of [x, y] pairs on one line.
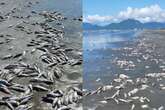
[[4, 89], [55, 102], [144, 106], [45, 59], [48, 99], [143, 99], [4, 82], [116, 94], [41, 80], [2, 3], [124, 100], [161, 108], [7, 57], [68, 49], [39, 88], [123, 76], [55, 93], [103, 102], [1, 42], [52, 64], [42, 49], [24, 107], [77, 62], [133, 107], [132, 92], [64, 108], [10, 105], [2, 102], [11, 66], [25, 99], [10, 78], [30, 45], [144, 86], [29, 89], [79, 91], [33, 50], [34, 12], [107, 87], [57, 73], [18, 88], [18, 55], [14, 103], [113, 96], [27, 75]]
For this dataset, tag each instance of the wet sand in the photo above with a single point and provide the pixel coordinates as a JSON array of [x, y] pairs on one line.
[[39, 55], [138, 82]]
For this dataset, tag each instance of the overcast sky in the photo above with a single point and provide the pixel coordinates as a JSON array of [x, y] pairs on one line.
[[108, 11]]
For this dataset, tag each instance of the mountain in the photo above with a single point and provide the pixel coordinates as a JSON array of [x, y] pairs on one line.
[[126, 25], [88, 26]]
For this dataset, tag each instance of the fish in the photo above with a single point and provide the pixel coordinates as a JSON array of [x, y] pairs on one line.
[[24, 107], [4, 89], [57, 73], [7, 57], [132, 92], [39, 88], [4, 82], [144, 106], [161, 108], [25, 99], [55, 102], [52, 64], [76, 62], [11, 66], [133, 107], [64, 108], [103, 102], [125, 100], [123, 76], [48, 99], [79, 91], [17, 55], [42, 80], [42, 49], [55, 93], [33, 50], [10, 105]]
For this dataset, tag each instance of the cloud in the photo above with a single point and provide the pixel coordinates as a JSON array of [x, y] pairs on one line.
[[97, 18], [147, 14]]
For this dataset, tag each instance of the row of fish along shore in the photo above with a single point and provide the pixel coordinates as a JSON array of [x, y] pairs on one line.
[[39, 69], [140, 85]]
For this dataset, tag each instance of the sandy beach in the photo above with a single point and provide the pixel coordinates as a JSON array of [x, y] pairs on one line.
[[40, 55]]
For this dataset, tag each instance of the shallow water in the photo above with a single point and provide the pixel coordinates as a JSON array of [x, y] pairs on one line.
[[98, 47], [101, 71]]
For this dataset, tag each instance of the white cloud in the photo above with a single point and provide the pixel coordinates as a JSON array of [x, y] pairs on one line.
[[97, 18], [146, 14]]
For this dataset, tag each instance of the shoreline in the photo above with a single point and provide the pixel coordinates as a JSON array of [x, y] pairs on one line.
[[37, 59]]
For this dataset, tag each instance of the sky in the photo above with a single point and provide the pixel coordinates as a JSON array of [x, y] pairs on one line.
[[108, 11]]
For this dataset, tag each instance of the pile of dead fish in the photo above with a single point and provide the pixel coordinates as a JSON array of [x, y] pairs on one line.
[[53, 55], [61, 100], [127, 90]]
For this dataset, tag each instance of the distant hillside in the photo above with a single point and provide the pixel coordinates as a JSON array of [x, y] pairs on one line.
[[125, 25], [88, 26]]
